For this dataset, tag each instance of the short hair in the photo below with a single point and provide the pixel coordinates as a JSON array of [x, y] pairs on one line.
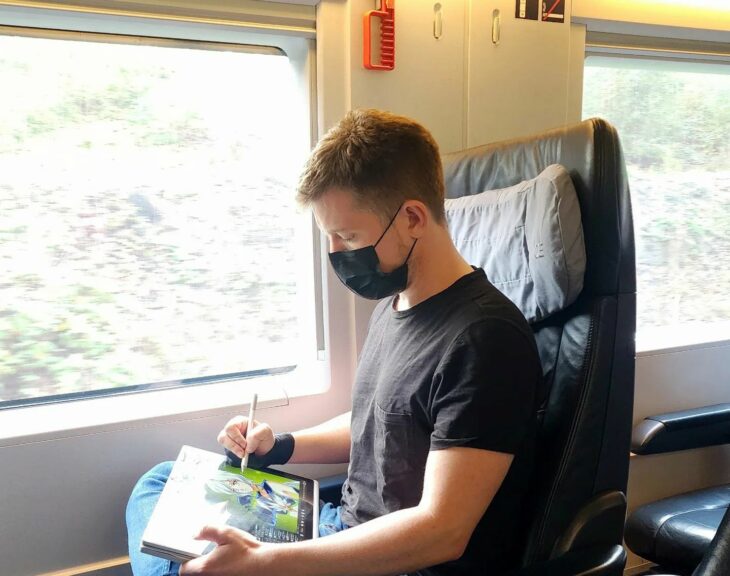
[[381, 159]]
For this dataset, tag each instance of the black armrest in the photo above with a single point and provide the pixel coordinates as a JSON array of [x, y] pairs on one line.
[[593, 561], [330, 488], [695, 428]]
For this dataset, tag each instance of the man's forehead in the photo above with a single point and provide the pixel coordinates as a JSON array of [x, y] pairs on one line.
[[336, 211]]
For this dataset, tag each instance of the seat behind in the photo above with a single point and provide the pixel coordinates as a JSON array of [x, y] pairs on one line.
[[587, 349], [676, 532]]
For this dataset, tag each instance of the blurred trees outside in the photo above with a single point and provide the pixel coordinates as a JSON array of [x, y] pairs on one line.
[[146, 215], [674, 126]]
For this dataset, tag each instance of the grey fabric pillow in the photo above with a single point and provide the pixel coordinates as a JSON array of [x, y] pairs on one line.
[[528, 238]]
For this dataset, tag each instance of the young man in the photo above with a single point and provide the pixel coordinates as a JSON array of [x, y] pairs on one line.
[[439, 440]]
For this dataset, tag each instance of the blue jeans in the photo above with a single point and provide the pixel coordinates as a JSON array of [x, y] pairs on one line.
[[142, 502]]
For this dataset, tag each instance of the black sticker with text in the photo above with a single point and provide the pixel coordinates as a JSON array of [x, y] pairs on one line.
[[527, 9]]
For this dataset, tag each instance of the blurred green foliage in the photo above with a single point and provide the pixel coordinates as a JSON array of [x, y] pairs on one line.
[[674, 126], [667, 120], [135, 246]]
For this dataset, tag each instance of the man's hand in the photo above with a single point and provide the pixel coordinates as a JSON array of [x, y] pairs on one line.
[[259, 440], [236, 553]]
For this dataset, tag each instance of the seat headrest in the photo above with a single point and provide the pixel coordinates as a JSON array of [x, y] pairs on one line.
[[528, 238]]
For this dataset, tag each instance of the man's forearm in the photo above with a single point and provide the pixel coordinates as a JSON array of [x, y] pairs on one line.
[[393, 544], [327, 443]]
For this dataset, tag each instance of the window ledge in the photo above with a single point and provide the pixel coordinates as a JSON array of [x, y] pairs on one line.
[[681, 337], [24, 425]]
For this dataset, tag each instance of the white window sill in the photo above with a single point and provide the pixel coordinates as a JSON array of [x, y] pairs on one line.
[[44, 422], [690, 336]]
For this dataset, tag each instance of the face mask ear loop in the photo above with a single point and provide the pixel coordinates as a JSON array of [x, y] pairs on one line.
[[388, 226]]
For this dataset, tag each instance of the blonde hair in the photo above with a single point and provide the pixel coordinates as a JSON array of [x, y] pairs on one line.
[[381, 159]]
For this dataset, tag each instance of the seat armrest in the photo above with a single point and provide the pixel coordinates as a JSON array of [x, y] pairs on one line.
[[330, 488], [591, 561], [683, 430]]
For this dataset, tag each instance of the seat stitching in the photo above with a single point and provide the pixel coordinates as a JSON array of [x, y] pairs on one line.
[[586, 372]]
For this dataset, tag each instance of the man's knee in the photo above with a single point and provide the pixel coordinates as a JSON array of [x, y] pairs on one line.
[[151, 483]]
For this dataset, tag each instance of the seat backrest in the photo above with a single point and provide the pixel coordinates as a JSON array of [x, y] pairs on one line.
[[587, 349]]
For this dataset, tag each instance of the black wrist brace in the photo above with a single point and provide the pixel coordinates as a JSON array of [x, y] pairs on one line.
[[280, 453]]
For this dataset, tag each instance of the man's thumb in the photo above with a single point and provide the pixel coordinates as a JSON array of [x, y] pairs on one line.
[[219, 535]]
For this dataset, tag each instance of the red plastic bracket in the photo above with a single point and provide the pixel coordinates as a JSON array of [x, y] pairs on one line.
[[386, 13]]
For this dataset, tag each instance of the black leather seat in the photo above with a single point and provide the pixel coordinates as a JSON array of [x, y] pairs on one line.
[[716, 560], [577, 517], [675, 532], [587, 351]]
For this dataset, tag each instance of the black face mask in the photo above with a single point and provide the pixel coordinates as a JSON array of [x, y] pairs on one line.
[[359, 270]]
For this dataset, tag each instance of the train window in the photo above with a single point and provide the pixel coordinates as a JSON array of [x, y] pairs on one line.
[[673, 119], [148, 234]]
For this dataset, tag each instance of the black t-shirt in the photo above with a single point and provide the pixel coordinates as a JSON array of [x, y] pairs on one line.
[[459, 369]]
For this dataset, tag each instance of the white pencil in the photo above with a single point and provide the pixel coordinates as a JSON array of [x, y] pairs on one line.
[[251, 416]]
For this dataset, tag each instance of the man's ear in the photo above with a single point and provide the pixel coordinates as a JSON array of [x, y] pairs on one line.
[[418, 217]]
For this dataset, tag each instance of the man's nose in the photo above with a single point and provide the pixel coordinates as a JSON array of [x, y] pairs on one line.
[[336, 244]]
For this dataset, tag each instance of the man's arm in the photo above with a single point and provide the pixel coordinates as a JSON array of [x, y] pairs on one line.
[[326, 443], [459, 485]]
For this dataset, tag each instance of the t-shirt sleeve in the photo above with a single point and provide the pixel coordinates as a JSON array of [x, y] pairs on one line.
[[483, 391]]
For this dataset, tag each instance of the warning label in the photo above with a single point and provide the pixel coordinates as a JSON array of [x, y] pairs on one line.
[[553, 10]]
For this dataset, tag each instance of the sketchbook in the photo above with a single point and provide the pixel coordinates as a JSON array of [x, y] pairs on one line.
[[203, 488]]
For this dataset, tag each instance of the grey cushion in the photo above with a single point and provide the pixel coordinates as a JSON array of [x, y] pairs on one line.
[[528, 238]]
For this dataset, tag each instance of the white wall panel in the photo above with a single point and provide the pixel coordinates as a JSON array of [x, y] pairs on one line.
[[519, 86], [428, 81]]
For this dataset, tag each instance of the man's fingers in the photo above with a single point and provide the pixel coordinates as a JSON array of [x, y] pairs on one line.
[[259, 437], [228, 443], [232, 435], [193, 567], [236, 444], [235, 437], [218, 534]]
